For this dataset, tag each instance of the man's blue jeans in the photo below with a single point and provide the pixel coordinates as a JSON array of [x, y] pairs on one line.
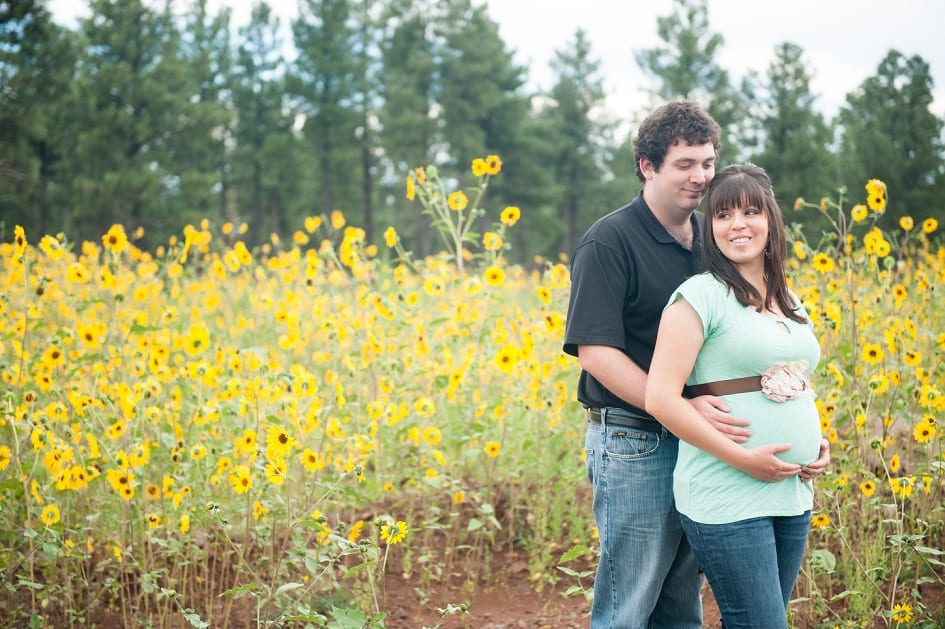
[[648, 575], [752, 566]]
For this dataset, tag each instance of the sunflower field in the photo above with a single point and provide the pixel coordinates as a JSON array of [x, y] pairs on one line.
[[210, 435]]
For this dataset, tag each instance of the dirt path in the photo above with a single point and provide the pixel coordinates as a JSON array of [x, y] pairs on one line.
[[505, 603]]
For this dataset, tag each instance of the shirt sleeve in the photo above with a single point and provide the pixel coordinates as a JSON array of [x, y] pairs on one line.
[[706, 296], [599, 281]]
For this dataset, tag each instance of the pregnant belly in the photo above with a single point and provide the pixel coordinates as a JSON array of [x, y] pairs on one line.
[[795, 422]]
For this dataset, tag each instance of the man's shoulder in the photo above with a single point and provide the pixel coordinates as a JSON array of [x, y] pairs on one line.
[[617, 225]]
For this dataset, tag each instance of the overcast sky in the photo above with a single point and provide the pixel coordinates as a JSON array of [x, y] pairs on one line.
[[843, 40]]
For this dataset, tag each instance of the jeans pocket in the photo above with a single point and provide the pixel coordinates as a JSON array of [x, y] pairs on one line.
[[624, 443]]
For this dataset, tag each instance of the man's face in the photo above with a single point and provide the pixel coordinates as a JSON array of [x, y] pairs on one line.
[[682, 180]]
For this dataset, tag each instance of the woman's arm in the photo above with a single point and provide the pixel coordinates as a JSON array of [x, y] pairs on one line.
[[678, 343]]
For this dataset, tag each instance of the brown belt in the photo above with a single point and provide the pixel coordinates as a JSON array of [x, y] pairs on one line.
[[726, 387]]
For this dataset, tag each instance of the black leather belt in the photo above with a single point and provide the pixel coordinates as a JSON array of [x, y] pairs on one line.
[[620, 417]]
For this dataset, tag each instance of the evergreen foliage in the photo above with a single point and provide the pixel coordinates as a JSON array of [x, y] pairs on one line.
[[155, 120]]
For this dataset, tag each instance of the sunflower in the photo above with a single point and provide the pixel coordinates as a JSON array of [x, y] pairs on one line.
[[507, 357], [491, 241], [115, 239], [457, 201], [823, 263], [872, 353], [493, 165], [390, 236], [493, 448], [876, 195], [510, 215], [313, 461], [50, 515], [394, 533], [241, 479], [495, 276], [276, 471], [924, 432], [278, 442], [5, 456], [901, 613], [355, 533], [431, 435], [77, 273], [901, 487]]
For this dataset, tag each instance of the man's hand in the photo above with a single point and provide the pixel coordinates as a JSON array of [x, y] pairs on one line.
[[819, 466], [715, 411]]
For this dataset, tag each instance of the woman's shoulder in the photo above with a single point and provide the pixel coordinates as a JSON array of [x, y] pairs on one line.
[[705, 281]]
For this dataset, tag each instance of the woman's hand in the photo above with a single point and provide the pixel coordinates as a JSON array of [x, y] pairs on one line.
[[818, 467], [762, 463]]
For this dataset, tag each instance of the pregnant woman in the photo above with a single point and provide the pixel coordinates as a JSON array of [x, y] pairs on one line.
[[737, 331]]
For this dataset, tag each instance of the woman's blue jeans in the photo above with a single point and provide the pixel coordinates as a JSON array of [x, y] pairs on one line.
[[751, 566], [647, 575]]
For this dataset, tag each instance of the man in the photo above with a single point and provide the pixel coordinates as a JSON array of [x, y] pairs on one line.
[[622, 273]]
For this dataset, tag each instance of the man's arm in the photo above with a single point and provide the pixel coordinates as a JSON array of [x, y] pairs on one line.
[[625, 379], [715, 411], [616, 371]]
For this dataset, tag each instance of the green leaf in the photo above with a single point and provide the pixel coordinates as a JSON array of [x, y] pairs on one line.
[[823, 559], [573, 590], [288, 587], [345, 618], [240, 590], [194, 619], [575, 552], [929, 551], [844, 594]]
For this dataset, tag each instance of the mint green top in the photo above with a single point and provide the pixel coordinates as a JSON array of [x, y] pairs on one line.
[[739, 341]]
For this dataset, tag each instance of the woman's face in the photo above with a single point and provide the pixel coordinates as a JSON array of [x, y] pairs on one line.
[[741, 234]]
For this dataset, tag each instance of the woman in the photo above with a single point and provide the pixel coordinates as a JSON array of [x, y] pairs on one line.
[[737, 331]]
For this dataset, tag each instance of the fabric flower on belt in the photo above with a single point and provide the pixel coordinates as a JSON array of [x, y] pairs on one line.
[[786, 381]]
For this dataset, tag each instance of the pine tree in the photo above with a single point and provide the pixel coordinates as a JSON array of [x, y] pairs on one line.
[[796, 141], [891, 134]]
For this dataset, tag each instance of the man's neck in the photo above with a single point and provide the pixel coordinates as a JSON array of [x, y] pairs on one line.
[[677, 222]]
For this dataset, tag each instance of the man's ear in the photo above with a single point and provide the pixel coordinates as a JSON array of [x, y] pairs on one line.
[[646, 167]]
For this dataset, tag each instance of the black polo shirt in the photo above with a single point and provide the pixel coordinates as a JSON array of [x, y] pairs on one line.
[[622, 273]]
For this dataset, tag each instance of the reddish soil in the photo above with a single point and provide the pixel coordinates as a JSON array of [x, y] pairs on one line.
[[507, 601]]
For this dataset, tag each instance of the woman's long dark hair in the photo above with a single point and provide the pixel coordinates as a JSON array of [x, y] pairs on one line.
[[738, 186]]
